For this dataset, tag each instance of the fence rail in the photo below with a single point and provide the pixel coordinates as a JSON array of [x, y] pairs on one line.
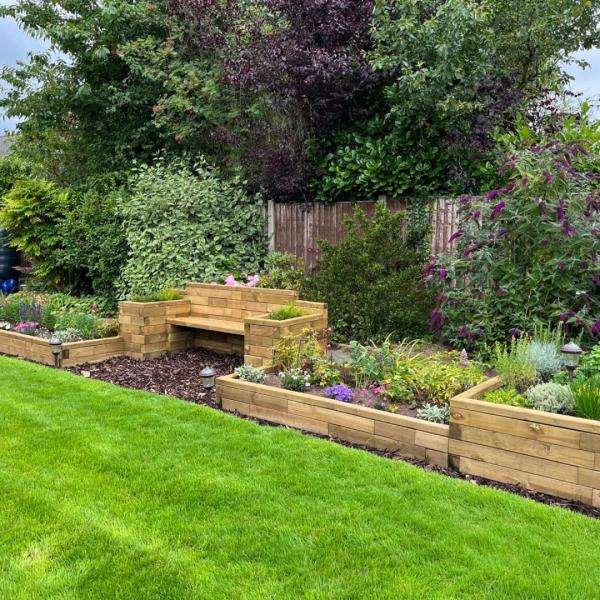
[[297, 228]]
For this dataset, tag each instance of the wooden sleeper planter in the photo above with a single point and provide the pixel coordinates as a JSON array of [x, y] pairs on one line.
[[545, 452]]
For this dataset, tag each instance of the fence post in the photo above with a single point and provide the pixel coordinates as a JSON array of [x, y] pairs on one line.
[[271, 224]]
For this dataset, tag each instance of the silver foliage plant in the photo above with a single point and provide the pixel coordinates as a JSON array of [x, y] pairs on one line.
[[434, 413], [550, 397], [546, 357], [250, 373]]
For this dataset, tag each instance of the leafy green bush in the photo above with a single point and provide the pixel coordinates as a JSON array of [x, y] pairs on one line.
[[505, 395], [282, 272], [187, 225], [291, 311], [371, 281], [108, 328], [31, 213], [515, 364], [550, 397], [590, 364], [250, 373], [301, 351], [586, 397]]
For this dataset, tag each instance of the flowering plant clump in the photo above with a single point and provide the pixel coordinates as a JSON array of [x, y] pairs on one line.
[[251, 281], [295, 380], [527, 253], [27, 327], [339, 392]]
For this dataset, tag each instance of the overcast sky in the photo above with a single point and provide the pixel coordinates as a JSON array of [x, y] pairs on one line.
[[14, 45]]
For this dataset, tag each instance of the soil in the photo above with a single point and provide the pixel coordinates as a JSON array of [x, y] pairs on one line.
[[176, 374], [361, 399]]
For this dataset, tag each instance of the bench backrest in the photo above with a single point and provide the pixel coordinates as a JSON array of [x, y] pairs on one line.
[[230, 303]]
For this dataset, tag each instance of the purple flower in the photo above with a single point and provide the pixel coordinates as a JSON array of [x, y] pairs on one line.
[[560, 210], [442, 273], [464, 357], [565, 316], [456, 235], [597, 280], [493, 194], [339, 392], [472, 247], [497, 210], [514, 332], [596, 328], [474, 215], [524, 181], [560, 265], [464, 332], [548, 177], [567, 228], [595, 232], [544, 243], [466, 199]]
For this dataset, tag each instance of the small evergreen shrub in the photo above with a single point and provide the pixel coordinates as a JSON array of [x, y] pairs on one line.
[[282, 271], [550, 397], [371, 280], [108, 328], [250, 373], [435, 413]]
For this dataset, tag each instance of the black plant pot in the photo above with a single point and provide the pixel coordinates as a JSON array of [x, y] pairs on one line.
[[9, 259]]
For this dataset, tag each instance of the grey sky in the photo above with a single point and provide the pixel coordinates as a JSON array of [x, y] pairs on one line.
[[15, 43]]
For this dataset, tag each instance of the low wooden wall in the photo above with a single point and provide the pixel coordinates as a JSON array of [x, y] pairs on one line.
[[554, 454], [38, 349], [261, 333], [404, 436]]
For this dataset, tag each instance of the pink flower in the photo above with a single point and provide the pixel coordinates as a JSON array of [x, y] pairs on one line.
[[230, 280]]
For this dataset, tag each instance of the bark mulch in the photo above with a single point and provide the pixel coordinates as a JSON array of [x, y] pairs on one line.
[[177, 374]]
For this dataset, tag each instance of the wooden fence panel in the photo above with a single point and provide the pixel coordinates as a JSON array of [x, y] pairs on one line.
[[297, 228]]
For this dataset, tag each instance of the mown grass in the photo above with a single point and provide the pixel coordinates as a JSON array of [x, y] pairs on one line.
[[112, 493]]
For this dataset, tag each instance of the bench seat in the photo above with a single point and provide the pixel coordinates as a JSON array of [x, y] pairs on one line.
[[234, 327]]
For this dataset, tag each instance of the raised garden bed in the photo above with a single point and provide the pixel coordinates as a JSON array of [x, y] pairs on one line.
[[394, 433], [38, 350], [550, 453]]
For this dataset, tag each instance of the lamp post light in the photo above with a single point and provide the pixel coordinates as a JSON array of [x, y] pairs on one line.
[[56, 348], [207, 377], [571, 354]]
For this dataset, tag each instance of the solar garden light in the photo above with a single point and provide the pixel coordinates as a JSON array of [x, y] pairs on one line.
[[571, 354], [56, 348], [207, 377]]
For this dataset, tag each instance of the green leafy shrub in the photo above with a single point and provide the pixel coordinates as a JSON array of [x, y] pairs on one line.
[[371, 281], [291, 311], [515, 364], [505, 395], [586, 397], [295, 380], [187, 225], [250, 373], [31, 213], [435, 413], [282, 272], [590, 364], [550, 397], [86, 323], [107, 328]]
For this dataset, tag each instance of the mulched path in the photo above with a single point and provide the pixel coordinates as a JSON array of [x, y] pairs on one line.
[[177, 374]]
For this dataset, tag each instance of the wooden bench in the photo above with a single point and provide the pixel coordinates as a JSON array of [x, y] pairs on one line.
[[224, 318]]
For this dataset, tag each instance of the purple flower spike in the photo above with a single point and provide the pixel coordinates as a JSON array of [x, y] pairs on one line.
[[548, 177], [567, 229], [596, 328], [561, 210], [497, 210], [493, 194], [456, 235]]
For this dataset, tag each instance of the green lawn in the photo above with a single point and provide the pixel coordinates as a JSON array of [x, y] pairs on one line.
[[108, 493]]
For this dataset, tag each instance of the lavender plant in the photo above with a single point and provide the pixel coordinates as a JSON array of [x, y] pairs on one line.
[[339, 392]]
